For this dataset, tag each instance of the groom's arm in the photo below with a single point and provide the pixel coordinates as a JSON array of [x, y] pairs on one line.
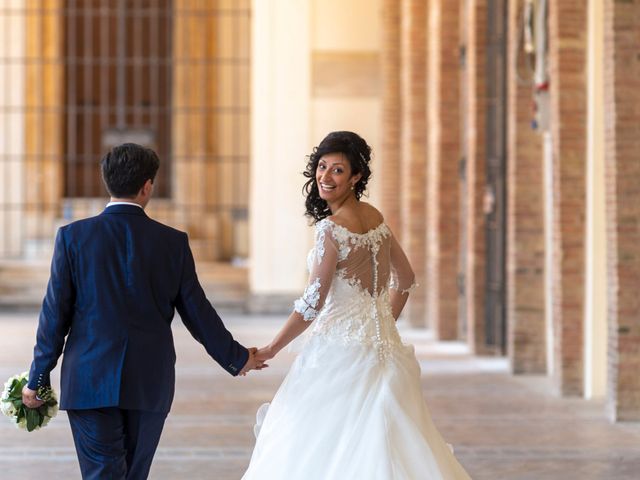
[[203, 321], [55, 317]]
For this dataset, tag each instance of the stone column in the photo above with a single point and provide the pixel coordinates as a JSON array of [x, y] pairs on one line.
[[622, 143], [595, 331], [12, 130], [568, 89], [526, 345], [390, 135], [43, 120], [443, 145], [414, 151]]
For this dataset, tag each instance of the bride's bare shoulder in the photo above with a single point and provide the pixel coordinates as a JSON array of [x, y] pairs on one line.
[[372, 213], [365, 218]]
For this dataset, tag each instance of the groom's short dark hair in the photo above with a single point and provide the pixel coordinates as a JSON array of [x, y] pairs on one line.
[[127, 167]]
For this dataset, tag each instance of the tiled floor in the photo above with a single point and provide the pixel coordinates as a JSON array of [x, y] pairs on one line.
[[502, 427]]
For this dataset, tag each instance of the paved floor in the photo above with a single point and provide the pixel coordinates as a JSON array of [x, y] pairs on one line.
[[502, 427]]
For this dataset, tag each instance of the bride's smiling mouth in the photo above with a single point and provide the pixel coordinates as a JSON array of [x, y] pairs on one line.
[[326, 187]]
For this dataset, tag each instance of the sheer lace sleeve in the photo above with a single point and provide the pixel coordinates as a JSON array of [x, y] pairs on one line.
[[322, 269], [403, 280]]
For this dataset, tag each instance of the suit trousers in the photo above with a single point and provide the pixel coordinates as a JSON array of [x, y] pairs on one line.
[[116, 444]]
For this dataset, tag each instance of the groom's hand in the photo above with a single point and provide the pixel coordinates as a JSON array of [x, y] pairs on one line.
[[252, 363], [30, 399]]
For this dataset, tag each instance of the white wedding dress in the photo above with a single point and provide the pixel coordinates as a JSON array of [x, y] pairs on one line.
[[351, 407]]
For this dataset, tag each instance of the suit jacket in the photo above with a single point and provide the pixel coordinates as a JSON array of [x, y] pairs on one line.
[[116, 280]]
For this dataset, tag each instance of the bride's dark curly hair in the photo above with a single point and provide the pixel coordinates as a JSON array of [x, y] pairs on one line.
[[354, 147]]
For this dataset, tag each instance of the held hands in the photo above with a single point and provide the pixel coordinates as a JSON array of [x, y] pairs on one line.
[[265, 353], [253, 363], [30, 399]]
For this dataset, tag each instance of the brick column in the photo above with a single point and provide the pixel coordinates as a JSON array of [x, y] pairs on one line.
[[474, 25], [622, 143], [567, 62], [442, 171], [525, 215], [390, 151], [414, 141]]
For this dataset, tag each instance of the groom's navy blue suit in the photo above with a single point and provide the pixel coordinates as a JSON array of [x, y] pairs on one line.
[[116, 280]]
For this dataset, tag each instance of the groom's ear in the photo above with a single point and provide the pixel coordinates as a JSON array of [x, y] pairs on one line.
[[147, 188]]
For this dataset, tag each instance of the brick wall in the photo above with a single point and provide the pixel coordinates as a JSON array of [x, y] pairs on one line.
[[390, 151], [567, 62], [474, 30], [414, 155], [622, 144], [442, 180], [526, 344]]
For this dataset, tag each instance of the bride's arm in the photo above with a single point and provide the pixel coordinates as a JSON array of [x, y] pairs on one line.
[[308, 306], [404, 280], [293, 327]]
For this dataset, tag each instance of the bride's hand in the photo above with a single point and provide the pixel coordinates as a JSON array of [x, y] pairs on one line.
[[252, 363], [265, 353]]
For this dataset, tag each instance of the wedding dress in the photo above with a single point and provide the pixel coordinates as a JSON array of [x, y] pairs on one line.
[[351, 407]]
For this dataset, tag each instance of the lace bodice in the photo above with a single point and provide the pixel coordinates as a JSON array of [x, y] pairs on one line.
[[351, 274]]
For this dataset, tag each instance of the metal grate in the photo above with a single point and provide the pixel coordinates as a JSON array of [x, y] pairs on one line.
[[117, 58], [79, 76]]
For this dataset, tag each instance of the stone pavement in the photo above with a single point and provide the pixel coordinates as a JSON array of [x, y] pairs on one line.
[[502, 427]]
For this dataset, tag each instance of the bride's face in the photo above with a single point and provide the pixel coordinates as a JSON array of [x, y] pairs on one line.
[[334, 178]]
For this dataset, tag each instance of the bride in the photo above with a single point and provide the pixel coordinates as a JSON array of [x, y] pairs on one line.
[[351, 407]]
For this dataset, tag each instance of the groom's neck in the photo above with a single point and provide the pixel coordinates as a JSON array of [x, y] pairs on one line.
[[136, 200]]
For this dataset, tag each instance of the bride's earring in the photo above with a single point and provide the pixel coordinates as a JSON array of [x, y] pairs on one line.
[[351, 187]]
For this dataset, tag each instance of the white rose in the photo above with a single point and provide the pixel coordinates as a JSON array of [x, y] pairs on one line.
[[8, 409], [7, 389]]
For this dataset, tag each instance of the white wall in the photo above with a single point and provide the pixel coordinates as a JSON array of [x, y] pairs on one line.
[[280, 140], [288, 120], [351, 27]]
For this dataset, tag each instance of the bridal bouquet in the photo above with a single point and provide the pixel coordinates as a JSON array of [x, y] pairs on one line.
[[26, 418]]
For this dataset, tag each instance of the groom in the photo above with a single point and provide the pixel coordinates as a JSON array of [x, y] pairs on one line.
[[116, 280]]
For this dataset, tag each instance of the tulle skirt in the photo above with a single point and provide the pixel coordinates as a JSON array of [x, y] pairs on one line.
[[345, 412]]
